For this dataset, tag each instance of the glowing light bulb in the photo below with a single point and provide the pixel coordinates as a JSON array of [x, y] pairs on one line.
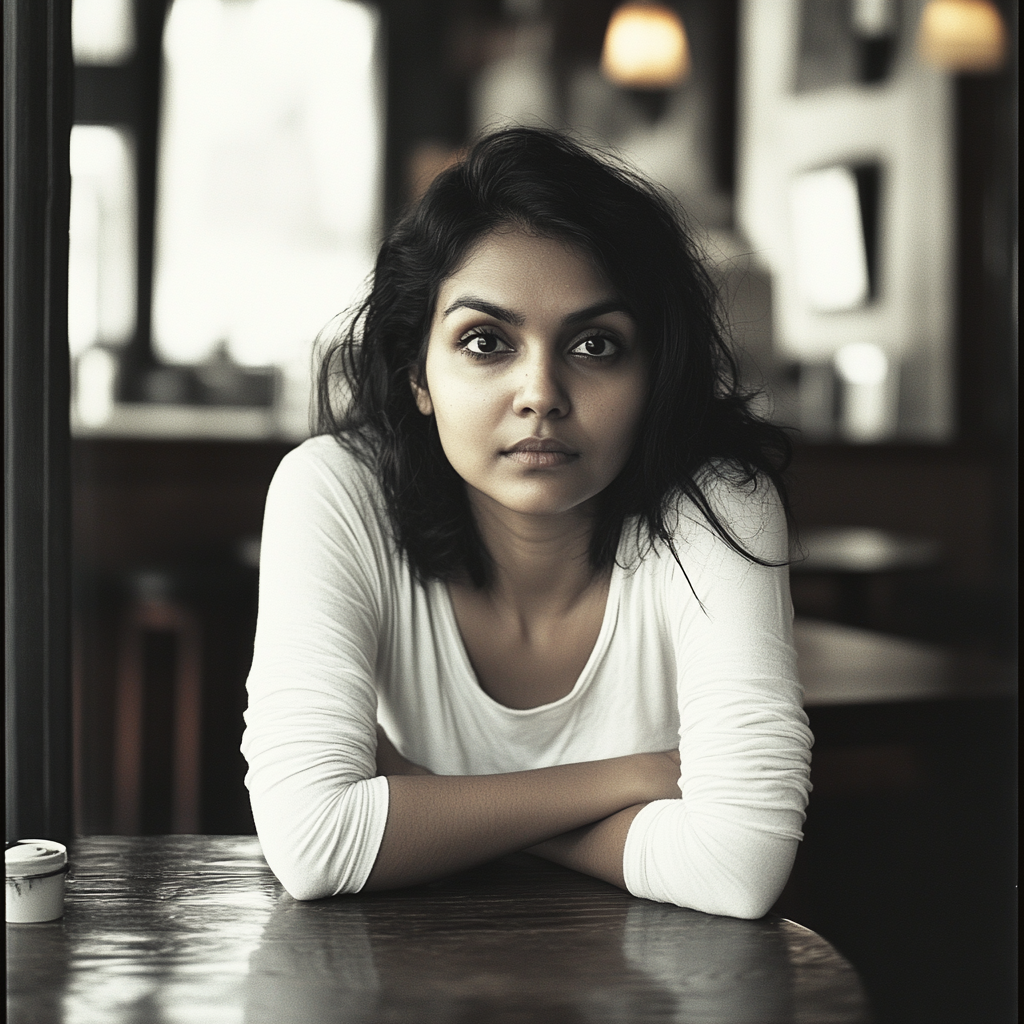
[[962, 36], [645, 47]]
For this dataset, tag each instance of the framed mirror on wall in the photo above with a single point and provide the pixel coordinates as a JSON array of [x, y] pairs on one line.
[[847, 190]]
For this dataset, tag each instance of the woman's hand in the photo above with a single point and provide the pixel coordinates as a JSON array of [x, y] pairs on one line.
[[391, 762]]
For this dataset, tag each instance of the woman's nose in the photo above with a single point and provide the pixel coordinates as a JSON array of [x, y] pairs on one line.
[[541, 391]]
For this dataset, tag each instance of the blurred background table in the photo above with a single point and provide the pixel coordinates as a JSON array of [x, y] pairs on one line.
[[197, 928], [846, 666], [854, 559]]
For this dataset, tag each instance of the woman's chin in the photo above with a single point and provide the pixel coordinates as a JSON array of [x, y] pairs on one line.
[[535, 502]]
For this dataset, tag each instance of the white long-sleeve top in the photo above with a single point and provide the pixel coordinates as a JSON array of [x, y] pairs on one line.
[[346, 637]]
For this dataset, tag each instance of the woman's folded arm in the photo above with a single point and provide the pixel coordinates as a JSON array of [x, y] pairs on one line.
[[440, 824], [727, 846], [310, 734], [319, 810], [596, 849], [727, 850]]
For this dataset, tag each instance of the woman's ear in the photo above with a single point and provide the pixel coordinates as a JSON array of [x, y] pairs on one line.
[[421, 394]]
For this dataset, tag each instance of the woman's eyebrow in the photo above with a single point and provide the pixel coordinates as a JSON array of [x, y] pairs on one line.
[[509, 316], [598, 309], [506, 316]]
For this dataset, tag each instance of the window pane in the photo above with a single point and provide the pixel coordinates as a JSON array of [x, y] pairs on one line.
[[101, 244], [102, 31], [268, 181]]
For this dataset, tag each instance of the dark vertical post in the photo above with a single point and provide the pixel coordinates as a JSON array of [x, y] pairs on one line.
[[37, 189]]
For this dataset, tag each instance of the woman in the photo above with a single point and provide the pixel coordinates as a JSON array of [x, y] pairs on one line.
[[527, 589]]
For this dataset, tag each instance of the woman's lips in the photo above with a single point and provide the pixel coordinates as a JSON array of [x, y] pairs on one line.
[[536, 451], [532, 457]]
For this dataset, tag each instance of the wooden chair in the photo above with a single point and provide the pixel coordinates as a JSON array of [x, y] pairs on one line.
[[157, 756]]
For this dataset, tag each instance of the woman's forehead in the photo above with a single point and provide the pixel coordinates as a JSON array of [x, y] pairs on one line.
[[512, 259]]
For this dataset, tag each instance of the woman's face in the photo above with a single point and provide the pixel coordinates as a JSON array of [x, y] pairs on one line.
[[535, 375]]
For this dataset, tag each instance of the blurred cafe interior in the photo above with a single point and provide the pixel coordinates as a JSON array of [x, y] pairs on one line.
[[850, 169]]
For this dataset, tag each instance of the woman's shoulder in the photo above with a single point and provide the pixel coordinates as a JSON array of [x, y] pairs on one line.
[[325, 458], [324, 472], [746, 505]]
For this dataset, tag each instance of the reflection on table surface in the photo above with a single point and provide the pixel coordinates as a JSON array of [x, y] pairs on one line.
[[196, 928]]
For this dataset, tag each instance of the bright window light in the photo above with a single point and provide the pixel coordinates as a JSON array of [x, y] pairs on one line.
[[828, 240], [269, 175], [102, 31], [101, 241]]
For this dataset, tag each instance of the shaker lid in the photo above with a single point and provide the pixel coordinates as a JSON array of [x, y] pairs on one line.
[[29, 857]]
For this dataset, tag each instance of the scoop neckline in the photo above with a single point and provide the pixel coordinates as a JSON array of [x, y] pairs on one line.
[[468, 677]]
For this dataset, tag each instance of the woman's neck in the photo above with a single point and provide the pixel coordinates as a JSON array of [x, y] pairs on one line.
[[541, 564]]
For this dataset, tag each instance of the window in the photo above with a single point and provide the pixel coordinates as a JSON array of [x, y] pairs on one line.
[[258, 180]]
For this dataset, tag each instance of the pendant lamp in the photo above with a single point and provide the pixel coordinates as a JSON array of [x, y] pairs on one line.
[[962, 36], [645, 47]]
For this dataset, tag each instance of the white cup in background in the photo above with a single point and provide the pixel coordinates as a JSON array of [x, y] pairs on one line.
[[35, 881]]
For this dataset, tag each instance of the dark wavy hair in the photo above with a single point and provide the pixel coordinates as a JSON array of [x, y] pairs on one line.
[[697, 423]]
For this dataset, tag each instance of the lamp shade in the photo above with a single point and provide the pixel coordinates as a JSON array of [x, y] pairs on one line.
[[962, 36], [645, 47]]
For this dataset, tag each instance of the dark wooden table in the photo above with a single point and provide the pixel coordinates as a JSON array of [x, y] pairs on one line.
[[196, 929]]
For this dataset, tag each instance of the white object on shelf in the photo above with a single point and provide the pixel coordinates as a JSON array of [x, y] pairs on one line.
[[95, 380], [868, 401]]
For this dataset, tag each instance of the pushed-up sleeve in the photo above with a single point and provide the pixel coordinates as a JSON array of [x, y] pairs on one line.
[[310, 736], [727, 846]]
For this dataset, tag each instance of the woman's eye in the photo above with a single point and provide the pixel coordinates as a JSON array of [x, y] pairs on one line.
[[484, 343], [597, 346]]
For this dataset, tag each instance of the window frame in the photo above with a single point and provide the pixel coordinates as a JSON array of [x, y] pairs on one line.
[[128, 96], [37, 508]]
